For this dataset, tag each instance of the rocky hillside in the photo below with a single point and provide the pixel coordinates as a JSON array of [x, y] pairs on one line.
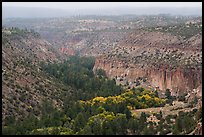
[[159, 59], [24, 85], [91, 35]]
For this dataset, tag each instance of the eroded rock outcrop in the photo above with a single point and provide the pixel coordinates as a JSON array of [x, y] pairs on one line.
[[164, 61], [179, 80]]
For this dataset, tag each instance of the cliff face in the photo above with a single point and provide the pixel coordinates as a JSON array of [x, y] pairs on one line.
[[156, 59], [179, 80]]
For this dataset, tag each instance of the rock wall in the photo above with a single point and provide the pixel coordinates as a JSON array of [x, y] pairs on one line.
[[179, 80]]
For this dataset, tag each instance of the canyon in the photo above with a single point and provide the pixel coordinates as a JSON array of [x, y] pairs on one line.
[[164, 51], [159, 53], [162, 60]]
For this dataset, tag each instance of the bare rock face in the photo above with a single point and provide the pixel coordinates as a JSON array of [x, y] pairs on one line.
[[165, 61], [178, 81]]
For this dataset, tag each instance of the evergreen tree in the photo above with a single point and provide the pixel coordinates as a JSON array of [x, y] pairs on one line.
[[79, 122], [86, 131]]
